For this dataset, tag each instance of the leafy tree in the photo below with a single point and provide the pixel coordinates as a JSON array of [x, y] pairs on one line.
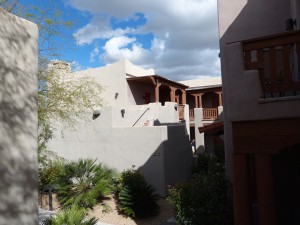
[[60, 97]]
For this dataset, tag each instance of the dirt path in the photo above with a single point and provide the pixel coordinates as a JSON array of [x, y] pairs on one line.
[[113, 217]]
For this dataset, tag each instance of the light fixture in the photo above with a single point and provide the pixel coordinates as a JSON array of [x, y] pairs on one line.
[[123, 112], [96, 113]]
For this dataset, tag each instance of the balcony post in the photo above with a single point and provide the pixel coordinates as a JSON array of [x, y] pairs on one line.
[[172, 94], [200, 100], [220, 98], [183, 97], [157, 92]]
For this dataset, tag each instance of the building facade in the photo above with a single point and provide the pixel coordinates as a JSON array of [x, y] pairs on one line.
[[260, 52], [138, 126]]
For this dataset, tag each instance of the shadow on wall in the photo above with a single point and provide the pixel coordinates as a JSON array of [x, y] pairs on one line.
[[18, 121], [171, 162]]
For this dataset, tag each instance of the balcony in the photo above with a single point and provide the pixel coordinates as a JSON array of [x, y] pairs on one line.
[[277, 58], [208, 114]]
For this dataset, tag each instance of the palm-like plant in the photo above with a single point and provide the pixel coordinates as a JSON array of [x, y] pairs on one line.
[[71, 216], [84, 183], [135, 197]]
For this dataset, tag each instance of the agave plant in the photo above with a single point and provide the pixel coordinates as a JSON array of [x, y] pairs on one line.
[[84, 183], [71, 216], [135, 197]]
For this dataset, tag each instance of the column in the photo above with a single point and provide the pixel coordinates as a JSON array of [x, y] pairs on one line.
[[200, 100], [241, 189], [196, 101], [157, 92], [220, 98], [172, 94], [265, 190], [183, 96]]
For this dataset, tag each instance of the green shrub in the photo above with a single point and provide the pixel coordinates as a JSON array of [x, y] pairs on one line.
[[204, 200], [71, 216], [135, 197], [84, 183], [50, 172]]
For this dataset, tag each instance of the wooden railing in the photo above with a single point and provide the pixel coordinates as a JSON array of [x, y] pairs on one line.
[[210, 113], [277, 58]]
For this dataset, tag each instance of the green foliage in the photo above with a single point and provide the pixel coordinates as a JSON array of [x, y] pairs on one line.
[[84, 183], [135, 197], [50, 172], [204, 200], [71, 216]]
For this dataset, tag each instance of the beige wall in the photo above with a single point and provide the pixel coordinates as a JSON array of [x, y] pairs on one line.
[[240, 20], [18, 121], [113, 140]]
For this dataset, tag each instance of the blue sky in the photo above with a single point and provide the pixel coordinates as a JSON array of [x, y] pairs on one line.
[[178, 39]]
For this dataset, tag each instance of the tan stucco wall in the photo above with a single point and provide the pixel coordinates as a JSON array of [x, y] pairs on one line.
[[113, 140], [240, 20], [18, 121]]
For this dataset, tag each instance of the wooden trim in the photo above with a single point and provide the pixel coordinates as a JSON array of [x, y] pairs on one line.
[[267, 136]]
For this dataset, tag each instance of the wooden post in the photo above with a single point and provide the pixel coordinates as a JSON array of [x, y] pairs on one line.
[[241, 190], [157, 92], [172, 94], [220, 98], [200, 100], [183, 97], [265, 190], [196, 101]]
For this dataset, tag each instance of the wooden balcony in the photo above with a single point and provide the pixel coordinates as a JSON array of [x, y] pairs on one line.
[[210, 113], [277, 58]]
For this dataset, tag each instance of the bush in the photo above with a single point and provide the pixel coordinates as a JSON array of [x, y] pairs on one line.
[[204, 200], [51, 171], [84, 183], [136, 198], [72, 216]]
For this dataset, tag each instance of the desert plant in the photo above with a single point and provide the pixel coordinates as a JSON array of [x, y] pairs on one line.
[[71, 216], [50, 172], [84, 183], [135, 197], [205, 199]]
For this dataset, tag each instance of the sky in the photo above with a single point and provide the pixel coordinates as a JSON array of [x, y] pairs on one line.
[[178, 39]]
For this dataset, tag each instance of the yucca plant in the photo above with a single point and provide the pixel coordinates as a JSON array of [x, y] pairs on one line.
[[71, 216], [84, 183], [135, 197]]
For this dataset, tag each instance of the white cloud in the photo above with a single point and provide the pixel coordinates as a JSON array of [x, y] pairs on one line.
[[75, 66], [93, 54], [185, 34], [117, 48]]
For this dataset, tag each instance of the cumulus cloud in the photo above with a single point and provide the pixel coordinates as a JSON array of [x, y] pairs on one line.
[[185, 34]]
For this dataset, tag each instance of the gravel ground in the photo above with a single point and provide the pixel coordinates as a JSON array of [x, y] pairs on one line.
[[114, 218]]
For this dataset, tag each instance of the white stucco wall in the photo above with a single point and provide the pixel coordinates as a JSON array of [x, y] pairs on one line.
[[18, 121], [113, 79], [112, 140], [136, 91]]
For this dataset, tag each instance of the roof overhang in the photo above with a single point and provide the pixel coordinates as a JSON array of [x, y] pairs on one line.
[[149, 79], [212, 128]]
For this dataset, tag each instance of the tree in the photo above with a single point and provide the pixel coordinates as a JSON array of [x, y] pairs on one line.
[[61, 97]]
